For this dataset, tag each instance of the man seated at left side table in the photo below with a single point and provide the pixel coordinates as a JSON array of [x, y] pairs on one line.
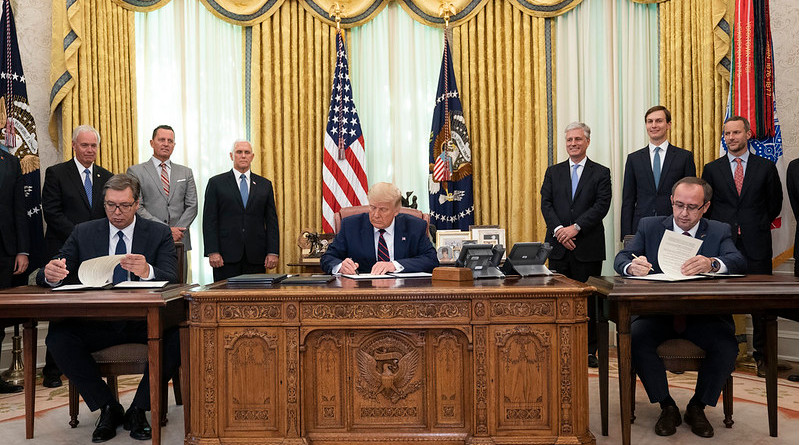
[[149, 255]]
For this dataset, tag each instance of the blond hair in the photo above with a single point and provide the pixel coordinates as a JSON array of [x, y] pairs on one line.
[[385, 192]]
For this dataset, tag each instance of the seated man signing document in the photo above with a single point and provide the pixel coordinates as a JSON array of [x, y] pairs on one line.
[[382, 240], [713, 333]]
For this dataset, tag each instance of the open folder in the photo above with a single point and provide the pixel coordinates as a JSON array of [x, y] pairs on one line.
[[98, 273], [674, 250]]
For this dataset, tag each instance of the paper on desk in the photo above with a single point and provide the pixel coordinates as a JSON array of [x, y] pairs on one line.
[[674, 250], [410, 274], [366, 276], [144, 284], [99, 271]]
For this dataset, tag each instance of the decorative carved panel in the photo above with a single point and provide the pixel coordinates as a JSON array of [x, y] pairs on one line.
[[565, 360], [244, 311], [325, 361], [385, 311], [450, 357], [523, 309]]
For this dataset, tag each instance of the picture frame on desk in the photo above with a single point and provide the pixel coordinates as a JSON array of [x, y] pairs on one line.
[[493, 235], [452, 239]]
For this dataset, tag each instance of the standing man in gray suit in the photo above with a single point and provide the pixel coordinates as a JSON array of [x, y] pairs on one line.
[[169, 194]]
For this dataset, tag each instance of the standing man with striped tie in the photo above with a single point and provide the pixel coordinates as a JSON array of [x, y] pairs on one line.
[[169, 194], [576, 196], [72, 193], [240, 223], [382, 240]]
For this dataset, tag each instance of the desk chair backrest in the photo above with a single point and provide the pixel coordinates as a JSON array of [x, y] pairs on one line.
[[355, 210]]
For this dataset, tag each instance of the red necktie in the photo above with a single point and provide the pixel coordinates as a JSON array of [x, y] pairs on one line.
[[383, 249], [164, 178], [679, 321], [738, 175]]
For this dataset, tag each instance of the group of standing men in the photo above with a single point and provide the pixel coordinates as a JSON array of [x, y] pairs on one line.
[[90, 212], [740, 193]]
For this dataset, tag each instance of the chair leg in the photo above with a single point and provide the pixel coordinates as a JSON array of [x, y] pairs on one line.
[[111, 381], [73, 406], [633, 395], [164, 401], [176, 387], [727, 402]]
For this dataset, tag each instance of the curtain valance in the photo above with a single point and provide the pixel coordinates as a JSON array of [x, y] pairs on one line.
[[357, 12]]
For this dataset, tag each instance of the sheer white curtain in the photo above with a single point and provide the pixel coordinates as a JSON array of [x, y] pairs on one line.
[[394, 68], [607, 71], [189, 76]]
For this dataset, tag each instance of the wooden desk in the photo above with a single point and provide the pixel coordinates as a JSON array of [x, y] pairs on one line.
[[161, 309], [625, 297], [391, 361]]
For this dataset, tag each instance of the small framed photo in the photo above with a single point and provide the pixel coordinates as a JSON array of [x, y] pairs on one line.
[[445, 254], [452, 239], [489, 235]]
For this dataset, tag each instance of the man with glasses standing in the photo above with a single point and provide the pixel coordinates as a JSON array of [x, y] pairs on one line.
[[149, 255], [714, 333], [71, 194], [748, 196]]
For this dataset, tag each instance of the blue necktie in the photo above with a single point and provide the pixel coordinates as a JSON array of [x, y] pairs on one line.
[[120, 274], [87, 185], [575, 178], [243, 188], [657, 166]]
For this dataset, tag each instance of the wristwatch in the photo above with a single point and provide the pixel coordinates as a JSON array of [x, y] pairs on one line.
[[715, 266]]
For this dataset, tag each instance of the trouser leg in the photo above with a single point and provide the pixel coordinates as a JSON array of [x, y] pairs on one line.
[[646, 334], [715, 335]]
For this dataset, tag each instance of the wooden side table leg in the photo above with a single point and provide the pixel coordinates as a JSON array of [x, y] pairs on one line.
[[29, 376], [154, 354], [186, 363], [624, 353], [602, 355], [771, 327]]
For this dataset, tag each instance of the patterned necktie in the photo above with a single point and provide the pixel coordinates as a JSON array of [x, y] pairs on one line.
[[657, 165], [738, 175], [383, 249], [575, 178], [679, 321], [164, 178], [243, 188], [120, 274], [87, 185]]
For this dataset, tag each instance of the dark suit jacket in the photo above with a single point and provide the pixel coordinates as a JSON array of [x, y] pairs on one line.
[[13, 221], [90, 240], [65, 204], [754, 210], [356, 240], [235, 232], [716, 236], [791, 188], [640, 197], [591, 203]]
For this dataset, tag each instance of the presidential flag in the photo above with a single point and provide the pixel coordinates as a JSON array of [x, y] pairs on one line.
[[450, 180], [18, 134], [752, 95], [344, 178]]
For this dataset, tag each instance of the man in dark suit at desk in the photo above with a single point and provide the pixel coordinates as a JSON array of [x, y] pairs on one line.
[[240, 224], [715, 334], [14, 241], [149, 255], [748, 196], [71, 194], [382, 240], [576, 195], [651, 171]]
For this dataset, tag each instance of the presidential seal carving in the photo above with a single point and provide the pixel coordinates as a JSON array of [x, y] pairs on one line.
[[387, 367]]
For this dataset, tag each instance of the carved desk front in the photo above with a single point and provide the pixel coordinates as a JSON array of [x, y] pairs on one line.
[[391, 361]]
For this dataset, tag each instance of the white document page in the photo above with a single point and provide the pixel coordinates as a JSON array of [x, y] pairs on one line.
[[99, 271], [140, 284], [674, 250], [410, 274], [366, 276]]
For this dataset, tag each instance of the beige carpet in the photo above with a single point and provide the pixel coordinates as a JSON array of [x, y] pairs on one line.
[[749, 415]]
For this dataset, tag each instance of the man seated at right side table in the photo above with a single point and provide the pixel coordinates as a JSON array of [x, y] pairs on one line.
[[713, 333]]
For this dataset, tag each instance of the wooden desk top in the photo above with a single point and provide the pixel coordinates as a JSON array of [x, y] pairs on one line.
[[617, 288], [400, 289]]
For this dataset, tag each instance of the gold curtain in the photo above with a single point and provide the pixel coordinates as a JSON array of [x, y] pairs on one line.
[[292, 61], [695, 80], [500, 65], [93, 74]]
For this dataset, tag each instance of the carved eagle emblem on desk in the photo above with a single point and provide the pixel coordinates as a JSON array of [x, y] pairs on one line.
[[392, 378]]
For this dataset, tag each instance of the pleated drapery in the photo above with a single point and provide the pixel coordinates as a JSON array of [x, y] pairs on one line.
[[93, 77], [695, 73]]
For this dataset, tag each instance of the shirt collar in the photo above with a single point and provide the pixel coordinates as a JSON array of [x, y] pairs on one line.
[[157, 163], [743, 157], [692, 231], [127, 231], [81, 168], [389, 230], [582, 163], [237, 174], [663, 146]]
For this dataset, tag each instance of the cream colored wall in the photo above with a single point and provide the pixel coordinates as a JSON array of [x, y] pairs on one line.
[[785, 39]]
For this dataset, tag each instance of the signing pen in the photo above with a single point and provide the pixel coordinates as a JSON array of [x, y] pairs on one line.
[[634, 257]]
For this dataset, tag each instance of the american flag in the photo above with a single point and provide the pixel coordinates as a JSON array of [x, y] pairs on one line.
[[344, 180]]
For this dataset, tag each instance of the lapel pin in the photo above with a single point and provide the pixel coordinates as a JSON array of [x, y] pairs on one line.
[[403, 239]]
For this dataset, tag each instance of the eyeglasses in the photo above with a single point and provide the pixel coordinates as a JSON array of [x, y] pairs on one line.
[[123, 207], [691, 208]]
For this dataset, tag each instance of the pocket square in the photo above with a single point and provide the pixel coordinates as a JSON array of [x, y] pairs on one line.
[[184, 179]]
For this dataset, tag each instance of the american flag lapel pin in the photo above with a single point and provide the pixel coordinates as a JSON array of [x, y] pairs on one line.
[[403, 238]]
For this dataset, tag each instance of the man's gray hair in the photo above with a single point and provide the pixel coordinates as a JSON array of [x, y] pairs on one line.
[[121, 182], [239, 141], [81, 128], [579, 125]]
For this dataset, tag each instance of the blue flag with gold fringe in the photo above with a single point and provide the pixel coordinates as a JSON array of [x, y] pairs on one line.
[[450, 180]]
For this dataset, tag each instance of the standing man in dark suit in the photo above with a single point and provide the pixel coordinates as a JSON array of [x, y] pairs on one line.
[[651, 172], [149, 255], [791, 188], [240, 224], [576, 195], [71, 194], [169, 194], [14, 241], [748, 196], [713, 333], [382, 240]]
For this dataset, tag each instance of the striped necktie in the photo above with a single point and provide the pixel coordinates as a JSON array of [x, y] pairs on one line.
[[383, 249], [164, 178]]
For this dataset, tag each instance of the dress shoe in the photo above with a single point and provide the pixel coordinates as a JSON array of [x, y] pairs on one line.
[[696, 418], [136, 423], [593, 363], [51, 381], [761, 368], [669, 419], [111, 416], [8, 388]]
